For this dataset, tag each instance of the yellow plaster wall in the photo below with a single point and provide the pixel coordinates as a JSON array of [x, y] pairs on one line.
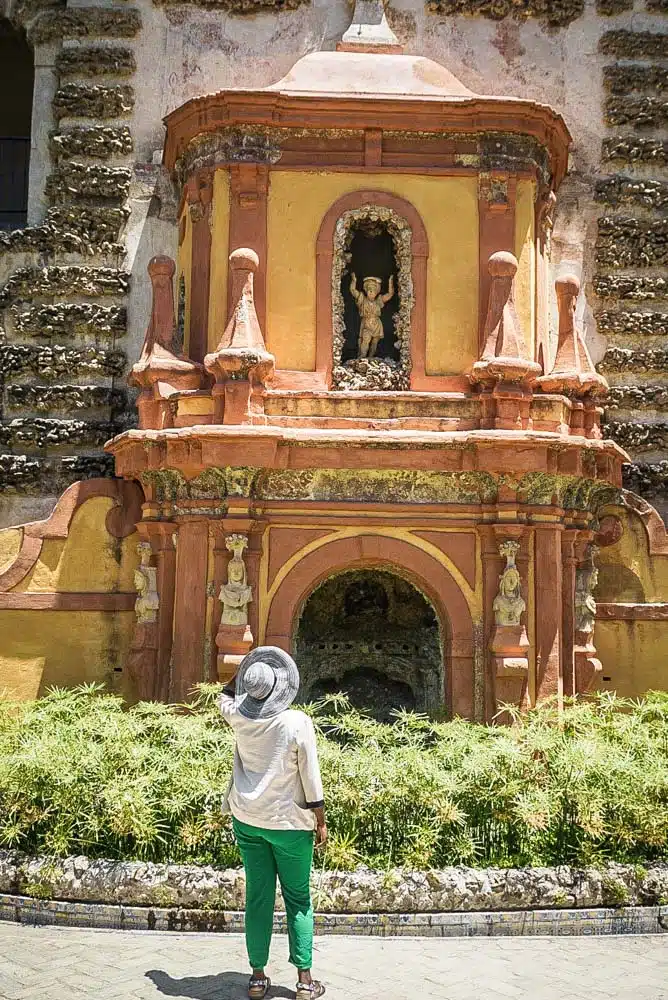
[[634, 655], [10, 544], [89, 560], [298, 201], [525, 251], [220, 249], [183, 268], [42, 649]]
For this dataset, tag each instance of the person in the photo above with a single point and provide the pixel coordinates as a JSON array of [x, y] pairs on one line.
[[276, 800], [370, 305]]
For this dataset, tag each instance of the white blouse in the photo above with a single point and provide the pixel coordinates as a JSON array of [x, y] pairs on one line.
[[275, 781]]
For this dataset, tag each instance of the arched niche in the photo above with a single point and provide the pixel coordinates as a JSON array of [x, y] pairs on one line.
[[402, 558], [17, 75], [411, 250]]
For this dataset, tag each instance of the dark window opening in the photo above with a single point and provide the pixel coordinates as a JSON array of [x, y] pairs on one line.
[[17, 75], [371, 255]]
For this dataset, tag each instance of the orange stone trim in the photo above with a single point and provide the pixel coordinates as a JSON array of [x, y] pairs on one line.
[[324, 260], [421, 569], [249, 187], [199, 194]]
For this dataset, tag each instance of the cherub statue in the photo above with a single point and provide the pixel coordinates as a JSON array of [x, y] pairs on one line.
[[370, 304], [235, 595]]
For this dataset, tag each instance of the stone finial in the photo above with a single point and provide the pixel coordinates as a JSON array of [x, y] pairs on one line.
[[158, 363], [504, 356], [573, 372], [241, 353], [369, 30]]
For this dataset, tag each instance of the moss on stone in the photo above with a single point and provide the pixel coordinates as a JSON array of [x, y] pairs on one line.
[[554, 12], [75, 100], [622, 78], [630, 242], [70, 319], [622, 190], [641, 112], [634, 44], [96, 60], [86, 22], [28, 282], [28, 474], [97, 141], [85, 180], [52, 432], [636, 149]]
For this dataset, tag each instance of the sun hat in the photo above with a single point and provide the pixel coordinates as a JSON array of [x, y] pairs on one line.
[[267, 682]]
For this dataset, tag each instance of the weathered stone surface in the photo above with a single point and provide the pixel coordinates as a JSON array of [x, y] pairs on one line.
[[629, 397], [622, 78], [623, 359], [634, 44], [86, 22], [611, 7], [75, 100], [626, 286], [84, 180], [641, 112], [238, 6], [630, 242], [649, 479], [71, 319], [47, 398], [621, 190], [30, 475], [396, 891], [631, 323], [635, 149], [27, 282], [98, 141], [561, 13], [56, 362], [659, 6], [637, 437], [82, 229], [43, 432], [96, 60]]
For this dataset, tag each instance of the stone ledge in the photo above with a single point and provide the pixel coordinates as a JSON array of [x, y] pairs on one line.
[[556, 14], [550, 923], [620, 79], [636, 437], [622, 190], [46, 398], [237, 6], [629, 323], [630, 286], [610, 8], [648, 479], [82, 229], [85, 22], [71, 319], [29, 475], [364, 891], [630, 242], [97, 141], [83, 180], [641, 112], [57, 361], [50, 432], [629, 397], [634, 44], [28, 282], [635, 149], [622, 360], [96, 60], [75, 100]]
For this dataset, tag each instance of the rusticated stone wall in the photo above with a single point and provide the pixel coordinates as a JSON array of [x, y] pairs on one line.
[[73, 285]]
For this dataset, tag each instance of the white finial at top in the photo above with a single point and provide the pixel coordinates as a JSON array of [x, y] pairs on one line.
[[369, 30]]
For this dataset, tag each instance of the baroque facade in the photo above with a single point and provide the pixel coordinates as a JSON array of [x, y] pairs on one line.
[[340, 335]]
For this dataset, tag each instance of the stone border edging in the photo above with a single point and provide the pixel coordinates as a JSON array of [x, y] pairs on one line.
[[513, 923]]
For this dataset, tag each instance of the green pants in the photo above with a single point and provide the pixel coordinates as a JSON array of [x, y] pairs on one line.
[[288, 854]]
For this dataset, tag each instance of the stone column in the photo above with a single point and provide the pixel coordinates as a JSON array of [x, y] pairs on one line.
[[189, 646], [548, 588], [200, 195], [150, 654], [569, 563]]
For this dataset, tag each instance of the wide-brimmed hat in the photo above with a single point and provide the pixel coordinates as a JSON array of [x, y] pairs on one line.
[[267, 682]]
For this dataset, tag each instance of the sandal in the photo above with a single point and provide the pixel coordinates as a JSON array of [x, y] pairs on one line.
[[258, 986], [309, 991]]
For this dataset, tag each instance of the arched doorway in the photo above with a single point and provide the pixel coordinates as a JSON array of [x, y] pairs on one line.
[[17, 74], [373, 635]]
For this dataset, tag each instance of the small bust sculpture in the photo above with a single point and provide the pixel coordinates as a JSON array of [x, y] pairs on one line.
[[370, 305], [148, 601], [509, 604], [235, 595]]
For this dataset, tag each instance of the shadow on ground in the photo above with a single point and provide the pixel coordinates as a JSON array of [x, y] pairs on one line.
[[224, 986]]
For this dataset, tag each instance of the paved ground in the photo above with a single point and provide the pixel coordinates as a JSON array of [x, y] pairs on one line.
[[54, 963]]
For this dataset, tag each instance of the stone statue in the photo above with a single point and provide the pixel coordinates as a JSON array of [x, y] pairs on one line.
[[370, 304], [508, 604], [148, 602], [586, 579], [235, 595]]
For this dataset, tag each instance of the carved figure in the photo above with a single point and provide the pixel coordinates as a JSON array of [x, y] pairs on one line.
[[148, 601], [370, 305], [235, 595], [586, 579], [509, 604]]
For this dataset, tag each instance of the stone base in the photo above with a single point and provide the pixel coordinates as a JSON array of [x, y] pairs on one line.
[[509, 648], [588, 668], [233, 642]]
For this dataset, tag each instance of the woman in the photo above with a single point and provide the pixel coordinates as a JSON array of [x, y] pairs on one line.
[[276, 800]]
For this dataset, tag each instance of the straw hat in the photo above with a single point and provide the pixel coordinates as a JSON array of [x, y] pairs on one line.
[[267, 682]]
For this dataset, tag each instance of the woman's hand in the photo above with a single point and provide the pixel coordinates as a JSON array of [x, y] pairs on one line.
[[320, 835]]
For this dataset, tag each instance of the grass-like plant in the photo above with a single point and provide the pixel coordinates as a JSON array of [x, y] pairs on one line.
[[82, 774]]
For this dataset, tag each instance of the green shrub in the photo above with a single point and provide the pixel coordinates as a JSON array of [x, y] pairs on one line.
[[81, 774]]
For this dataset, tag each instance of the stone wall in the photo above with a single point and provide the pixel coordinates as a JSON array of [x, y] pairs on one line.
[[74, 298]]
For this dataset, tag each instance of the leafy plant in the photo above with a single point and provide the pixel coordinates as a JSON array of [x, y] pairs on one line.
[[80, 773]]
